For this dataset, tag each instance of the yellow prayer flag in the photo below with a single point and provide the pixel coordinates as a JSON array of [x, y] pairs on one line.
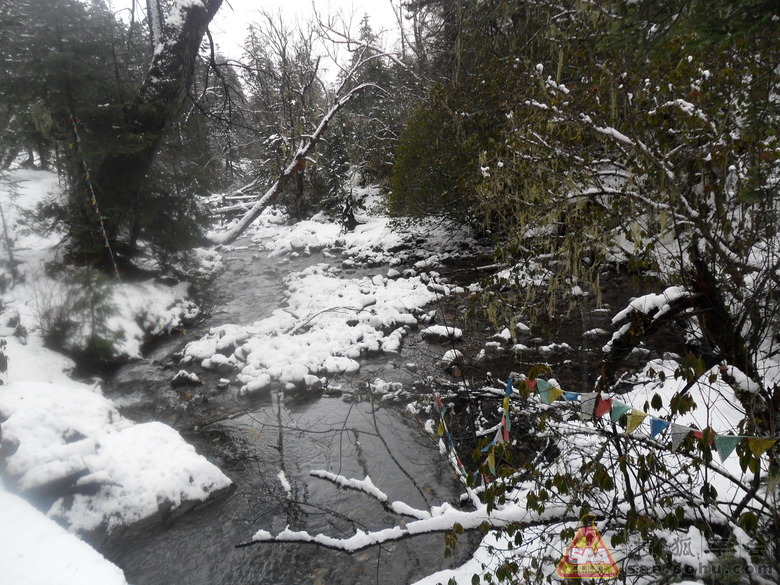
[[634, 420], [491, 461], [760, 446]]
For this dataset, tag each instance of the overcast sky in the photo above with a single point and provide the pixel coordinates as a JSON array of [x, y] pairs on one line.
[[229, 27]]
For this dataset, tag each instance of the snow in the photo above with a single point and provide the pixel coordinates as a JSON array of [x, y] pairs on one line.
[[117, 473], [655, 304], [35, 550], [331, 320], [615, 134], [649, 303], [333, 316], [717, 406], [62, 435], [76, 435], [282, 477], [452, 356], [136, 309], [443, 332]]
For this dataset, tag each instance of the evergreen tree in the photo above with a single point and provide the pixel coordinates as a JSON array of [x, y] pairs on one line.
[[78, 83]]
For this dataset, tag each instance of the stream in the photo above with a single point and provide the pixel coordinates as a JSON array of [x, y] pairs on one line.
[[253, 438]]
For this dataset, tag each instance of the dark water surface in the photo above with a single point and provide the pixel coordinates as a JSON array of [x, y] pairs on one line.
[[252, 439]]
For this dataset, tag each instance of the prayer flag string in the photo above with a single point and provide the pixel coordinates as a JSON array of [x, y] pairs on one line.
[[74, 121], [594, 406]]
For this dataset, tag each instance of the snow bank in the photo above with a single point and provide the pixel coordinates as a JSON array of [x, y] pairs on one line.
[[119, 472], [372, 242], [132, 310], [60, 436], [36, 550]]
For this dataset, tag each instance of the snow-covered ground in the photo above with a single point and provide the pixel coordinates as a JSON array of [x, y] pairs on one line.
[[101, 470], [62, 441]]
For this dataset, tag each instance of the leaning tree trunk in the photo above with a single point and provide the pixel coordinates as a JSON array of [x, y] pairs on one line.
[[120, 175], [297, 164]]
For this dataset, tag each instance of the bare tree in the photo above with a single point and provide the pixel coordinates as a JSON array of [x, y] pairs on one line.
[[294, 103], [296, 164]]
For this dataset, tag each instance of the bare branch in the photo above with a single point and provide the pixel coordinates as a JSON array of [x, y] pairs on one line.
[[297, 164], [443, 519]]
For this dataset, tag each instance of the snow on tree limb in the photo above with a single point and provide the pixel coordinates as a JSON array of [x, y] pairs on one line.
[[441, 519], [609, 131], [297, 163], [155, 18], [367, 486]]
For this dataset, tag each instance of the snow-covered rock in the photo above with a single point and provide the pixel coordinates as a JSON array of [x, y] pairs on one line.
[[117, 472], [441, 334], [185, 378]]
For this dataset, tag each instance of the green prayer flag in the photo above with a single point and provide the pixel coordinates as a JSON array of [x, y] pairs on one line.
[[543, 385], [618, 410], [725, 445]]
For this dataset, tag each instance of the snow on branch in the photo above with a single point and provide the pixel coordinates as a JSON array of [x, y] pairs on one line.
[[442, 519], [653, 305], [297, 163], [367, 486], [609, 131]]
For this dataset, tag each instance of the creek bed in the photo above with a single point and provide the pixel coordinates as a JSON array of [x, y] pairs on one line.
[[253, 438]]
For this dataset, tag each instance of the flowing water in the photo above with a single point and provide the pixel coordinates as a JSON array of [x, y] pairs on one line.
[[253, 439]]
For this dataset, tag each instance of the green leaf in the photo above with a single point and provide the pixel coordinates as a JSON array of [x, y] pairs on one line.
[[748, 522]]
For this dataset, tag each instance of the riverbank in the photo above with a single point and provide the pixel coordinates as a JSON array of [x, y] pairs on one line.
[[375, 310]]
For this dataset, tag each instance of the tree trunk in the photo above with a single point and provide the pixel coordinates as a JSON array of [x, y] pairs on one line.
[[121, 173], [298, 163]]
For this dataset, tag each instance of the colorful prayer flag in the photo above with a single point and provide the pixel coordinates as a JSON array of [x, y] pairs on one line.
[[725, 444], [760, 446], [491, 461], [603, 406], [656, 426], [618, 410], [543, 385], [588, 403], [679, 432], [551, 395], [634, 420]]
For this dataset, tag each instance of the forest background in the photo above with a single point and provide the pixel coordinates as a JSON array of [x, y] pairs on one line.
[[580, 137]]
